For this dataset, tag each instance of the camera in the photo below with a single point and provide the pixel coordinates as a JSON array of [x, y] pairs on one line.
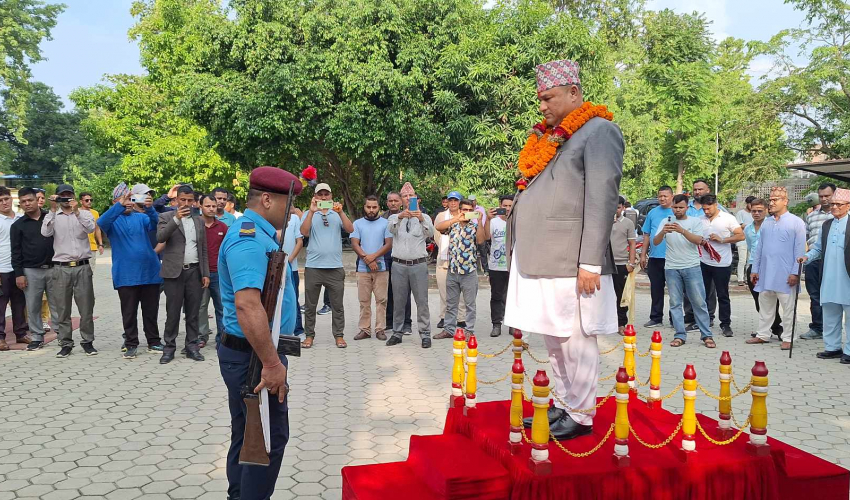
[[63, 199]]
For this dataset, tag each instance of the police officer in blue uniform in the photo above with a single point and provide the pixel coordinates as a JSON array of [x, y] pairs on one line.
[[242, 265]]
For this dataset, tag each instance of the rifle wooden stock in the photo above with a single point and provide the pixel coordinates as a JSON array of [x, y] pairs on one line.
[[253, 450]]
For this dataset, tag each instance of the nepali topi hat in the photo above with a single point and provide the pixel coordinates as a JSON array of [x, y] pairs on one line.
[[841, 195], [557, 74], [274, 180]]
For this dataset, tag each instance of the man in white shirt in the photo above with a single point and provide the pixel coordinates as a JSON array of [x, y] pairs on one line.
[[9, 291], [744, 218], [495, 230], [721, 230]]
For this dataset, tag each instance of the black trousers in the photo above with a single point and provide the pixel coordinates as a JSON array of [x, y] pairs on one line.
[[182, 294], [498, 295], [655, 271], [619, 284], [10, 293], [718, 279], [131, 297], [814, 273], [408, 320], [250, 482], [776, 328]]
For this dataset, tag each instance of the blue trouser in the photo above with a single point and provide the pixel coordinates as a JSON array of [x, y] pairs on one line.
[[212, 292], [679, 282], [250, 482], [299, 325], [832, 314]]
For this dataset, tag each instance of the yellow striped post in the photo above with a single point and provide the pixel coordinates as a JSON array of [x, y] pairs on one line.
[[655, 371], [758, 412], [621, 419], [471, 376], [517, 376], [539, 462], [458, 374], [724, 423], [689, 415], [629, 346]]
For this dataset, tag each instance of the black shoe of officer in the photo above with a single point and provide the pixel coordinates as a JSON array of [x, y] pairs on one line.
[[167, 357], [394, 340], [426, 342], [554, 413], [194, 355], [830, 354], [567, 428]]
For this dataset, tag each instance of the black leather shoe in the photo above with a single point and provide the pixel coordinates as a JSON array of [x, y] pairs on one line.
[[167, 357], [194, 355], [830, 354], [441, 324], [554, 413], [567, 428], [461, 324], [394, 340], [845, 359], [426, 342]]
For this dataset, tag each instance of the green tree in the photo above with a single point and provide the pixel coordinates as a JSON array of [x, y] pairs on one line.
[[814, 99], [25, 23]]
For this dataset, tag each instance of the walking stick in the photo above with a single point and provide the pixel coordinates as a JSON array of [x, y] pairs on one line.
[[794, 319]]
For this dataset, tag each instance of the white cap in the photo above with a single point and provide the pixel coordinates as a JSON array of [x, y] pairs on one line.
[[140, 189], [472, 197], [323, 186]]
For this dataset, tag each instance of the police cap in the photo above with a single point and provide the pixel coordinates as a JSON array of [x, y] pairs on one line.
[[274, 180]]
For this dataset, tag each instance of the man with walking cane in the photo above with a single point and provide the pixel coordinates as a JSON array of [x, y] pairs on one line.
[[775, 271], [243, 262], [833, 246]]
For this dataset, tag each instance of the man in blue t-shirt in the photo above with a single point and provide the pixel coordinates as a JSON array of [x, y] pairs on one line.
[[652, 257], [371, 240], [324, 227]]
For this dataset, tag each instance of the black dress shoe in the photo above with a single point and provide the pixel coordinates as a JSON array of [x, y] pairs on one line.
[[426, 342], [194, 355], [461, 324], [830, 354], [567, 428], [167, 357], [554, 413], [394, 340], [441, 324], [845, 359]]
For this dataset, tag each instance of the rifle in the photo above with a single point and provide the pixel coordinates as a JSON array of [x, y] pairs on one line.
[[256, 443]]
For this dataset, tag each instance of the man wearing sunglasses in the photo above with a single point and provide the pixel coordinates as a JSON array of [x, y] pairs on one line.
[[323, 224], [95, 238]]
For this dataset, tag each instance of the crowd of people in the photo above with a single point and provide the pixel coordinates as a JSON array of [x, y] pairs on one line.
[[171, 245], [687, 243]]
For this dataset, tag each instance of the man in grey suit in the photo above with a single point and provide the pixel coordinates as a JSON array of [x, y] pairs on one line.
[[185, 272], [560, 283]]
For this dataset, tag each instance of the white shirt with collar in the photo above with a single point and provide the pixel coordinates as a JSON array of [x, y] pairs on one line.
[[190, 250], [6, 242]]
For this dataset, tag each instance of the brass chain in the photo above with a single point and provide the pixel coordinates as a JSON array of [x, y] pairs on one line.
[[668, 396], [588, 410], [644, 354], [724, 398], [572, 453], [609, 351], [722, 443], [732, 377], [735, 421], [494, 381], [528, 350], [609, 377], [639, 383], [496, 354], [663, 443]]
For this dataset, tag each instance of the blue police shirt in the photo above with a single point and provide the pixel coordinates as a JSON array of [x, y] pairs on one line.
[[242, 262], [654, 219]]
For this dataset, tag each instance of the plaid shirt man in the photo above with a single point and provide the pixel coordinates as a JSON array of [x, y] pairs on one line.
[[814, 221]]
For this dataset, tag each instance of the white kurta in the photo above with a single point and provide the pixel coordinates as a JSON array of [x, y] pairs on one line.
[[548, 305]]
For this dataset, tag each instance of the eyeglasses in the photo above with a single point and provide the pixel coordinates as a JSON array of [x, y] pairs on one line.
[[86, 200], [325, 220]]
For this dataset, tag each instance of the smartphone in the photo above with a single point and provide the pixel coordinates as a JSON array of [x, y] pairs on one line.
[[63, 199], [414, 204], [326, 205], [669, 219], [472, 215], [501, 211], [139, 198]]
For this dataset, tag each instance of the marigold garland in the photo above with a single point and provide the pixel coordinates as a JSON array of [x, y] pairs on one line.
[[543, 143]]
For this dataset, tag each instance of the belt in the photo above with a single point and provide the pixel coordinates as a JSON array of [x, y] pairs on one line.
[[410, 262], [44, 266], [242, 344], [190, 266], [71, 264]]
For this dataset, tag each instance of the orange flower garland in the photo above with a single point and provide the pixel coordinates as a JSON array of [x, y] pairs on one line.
[[542, 143]]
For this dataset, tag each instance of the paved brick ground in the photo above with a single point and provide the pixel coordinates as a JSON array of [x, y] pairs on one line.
[[104, 427]]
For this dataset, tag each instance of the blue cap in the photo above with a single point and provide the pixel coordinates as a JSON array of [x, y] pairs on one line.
[[456, 195]]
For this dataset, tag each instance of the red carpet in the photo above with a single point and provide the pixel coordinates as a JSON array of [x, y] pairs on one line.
[[48, 336], [714, 472]]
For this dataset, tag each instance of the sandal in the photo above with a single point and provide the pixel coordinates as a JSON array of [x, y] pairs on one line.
[[709, 342], [677, 343], [340, 342], [308, 343]]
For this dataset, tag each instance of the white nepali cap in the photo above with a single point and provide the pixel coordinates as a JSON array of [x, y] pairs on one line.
[[557, 74]]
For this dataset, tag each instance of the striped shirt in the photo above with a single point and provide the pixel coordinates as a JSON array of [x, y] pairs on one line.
[[814, 221]]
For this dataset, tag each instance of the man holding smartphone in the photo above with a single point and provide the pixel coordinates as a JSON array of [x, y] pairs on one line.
[[466, 233], [323, 224], [495, 230], [441, 238], [682, 271]]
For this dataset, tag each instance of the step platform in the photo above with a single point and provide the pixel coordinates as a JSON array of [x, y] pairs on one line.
[[447, 466]]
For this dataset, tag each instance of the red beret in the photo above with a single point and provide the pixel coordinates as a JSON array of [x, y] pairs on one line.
[[274, 180]]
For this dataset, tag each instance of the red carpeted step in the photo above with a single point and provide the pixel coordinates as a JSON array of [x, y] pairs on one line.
[[454, 467], [384, 482]]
